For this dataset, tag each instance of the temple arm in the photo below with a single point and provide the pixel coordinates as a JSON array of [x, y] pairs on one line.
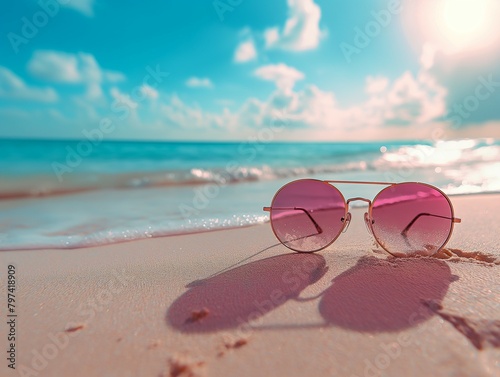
[[405, 230], [318, 228]]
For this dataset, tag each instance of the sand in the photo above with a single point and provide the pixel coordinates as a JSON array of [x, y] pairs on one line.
[[174, 306]]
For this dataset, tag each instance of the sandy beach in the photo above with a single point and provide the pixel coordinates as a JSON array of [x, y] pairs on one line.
[[194, 305]]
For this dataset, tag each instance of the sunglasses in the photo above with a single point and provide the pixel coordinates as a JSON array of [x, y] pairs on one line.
[[409, 218]]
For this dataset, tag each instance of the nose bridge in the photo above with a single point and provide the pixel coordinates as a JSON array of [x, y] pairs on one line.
[[359, 199], [368, 220]]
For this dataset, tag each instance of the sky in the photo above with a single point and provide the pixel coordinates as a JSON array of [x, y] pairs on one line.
[[238, 69]]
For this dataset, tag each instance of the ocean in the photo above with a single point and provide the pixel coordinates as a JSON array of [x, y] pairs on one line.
[[68, 194]]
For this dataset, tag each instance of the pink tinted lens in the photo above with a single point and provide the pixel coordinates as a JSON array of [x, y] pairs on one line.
[[307, 215], [411, 218]]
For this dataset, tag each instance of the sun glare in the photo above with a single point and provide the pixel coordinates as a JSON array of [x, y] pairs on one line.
[[467, 23], [464, 16], [455, 26]]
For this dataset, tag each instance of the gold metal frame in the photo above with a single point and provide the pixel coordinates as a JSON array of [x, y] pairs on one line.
[[369, 223]]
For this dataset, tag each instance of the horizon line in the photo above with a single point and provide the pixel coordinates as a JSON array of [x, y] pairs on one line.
[[179, 141]]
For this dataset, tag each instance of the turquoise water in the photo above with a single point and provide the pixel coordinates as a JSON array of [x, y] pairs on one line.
[[72, 194], [61, 164]]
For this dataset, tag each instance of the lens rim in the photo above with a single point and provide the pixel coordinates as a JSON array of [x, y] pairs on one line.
[[413, 183], [308, 180]]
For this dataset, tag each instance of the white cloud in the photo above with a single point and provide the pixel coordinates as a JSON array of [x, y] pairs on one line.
[[126, 108], [149, 92], [408, 101], [283, 76], [301, 31], [271, 36], [375, 85], [245, 52], [414, 100], [177, 113], [55, 66], [197, 82], [80, 68], [83, 6], [13, 87], [123, 98], [410, 104], [428, 55]]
